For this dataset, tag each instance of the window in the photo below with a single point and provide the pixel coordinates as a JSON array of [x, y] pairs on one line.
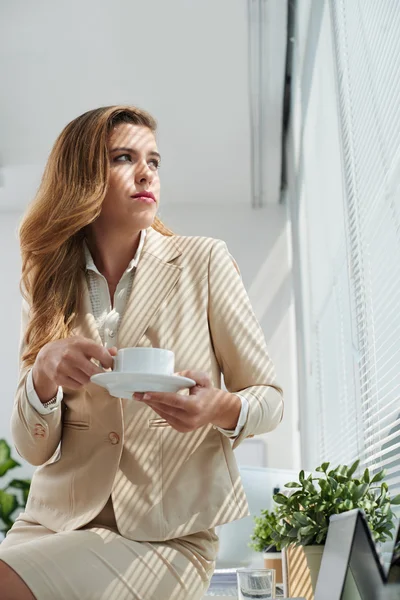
[[344, 190]]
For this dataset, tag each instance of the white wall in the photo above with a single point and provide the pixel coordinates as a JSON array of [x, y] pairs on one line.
[[10, 309], [184, 61], [259, 242]]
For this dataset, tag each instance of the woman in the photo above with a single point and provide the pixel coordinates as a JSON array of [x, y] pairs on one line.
[[127, 492]]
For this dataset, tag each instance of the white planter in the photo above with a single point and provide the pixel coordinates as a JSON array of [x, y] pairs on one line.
[[301, 565], [313, 556]]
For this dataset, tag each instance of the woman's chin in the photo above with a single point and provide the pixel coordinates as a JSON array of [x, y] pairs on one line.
[[141, 220]]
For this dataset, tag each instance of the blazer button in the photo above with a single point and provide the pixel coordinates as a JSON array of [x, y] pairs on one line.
[[39, 430], [114, 438]]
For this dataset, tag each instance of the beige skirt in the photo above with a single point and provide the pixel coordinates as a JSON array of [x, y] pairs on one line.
[[97, 563]]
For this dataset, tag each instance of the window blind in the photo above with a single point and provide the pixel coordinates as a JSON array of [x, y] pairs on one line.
[[347, 246], [367, 53]]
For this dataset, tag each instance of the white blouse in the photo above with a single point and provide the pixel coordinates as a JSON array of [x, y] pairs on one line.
[[108, 319]]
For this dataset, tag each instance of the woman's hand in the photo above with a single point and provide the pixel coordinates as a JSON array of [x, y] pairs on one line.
[[205, 404], [68, 363]]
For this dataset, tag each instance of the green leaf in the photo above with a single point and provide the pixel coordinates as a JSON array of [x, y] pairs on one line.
[[5, 451], [360, 491], [378, 476], [342, 471], [366, 476], [308, 541], [333, 483], [280, 499], [8, 503], [7, 465], [353, 469], [321, 537], [306, 530], [395, 500], [301, 518], [292, 484], [382, 499], [20, 484], [320, 519], [23, 485], [342, 478], [301, 476], [348, 505]]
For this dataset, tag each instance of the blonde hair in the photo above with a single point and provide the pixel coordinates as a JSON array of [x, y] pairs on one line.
[[70, 196]]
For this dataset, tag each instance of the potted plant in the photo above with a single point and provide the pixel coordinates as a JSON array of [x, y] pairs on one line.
[[262, 541], [13, 495], [303, 516]]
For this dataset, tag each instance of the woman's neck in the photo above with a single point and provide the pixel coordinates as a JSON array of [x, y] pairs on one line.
[[111, 251]]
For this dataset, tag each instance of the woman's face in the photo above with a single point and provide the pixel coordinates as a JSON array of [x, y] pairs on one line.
[[134, 163]]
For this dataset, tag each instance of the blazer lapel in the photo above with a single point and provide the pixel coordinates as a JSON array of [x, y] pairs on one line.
[[154, 280]]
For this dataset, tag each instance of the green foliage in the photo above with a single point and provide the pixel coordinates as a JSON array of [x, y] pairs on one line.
[[14, 495], [303, 516], [265, 525]]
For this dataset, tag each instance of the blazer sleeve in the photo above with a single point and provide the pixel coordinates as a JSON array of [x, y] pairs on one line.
[[36, 437], [239, 345]]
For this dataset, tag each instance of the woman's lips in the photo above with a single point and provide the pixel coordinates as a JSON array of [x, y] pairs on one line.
[[146, 197]]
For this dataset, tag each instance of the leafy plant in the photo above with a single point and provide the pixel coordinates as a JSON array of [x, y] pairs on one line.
[[265, 525], [303, 516], [14, 495]]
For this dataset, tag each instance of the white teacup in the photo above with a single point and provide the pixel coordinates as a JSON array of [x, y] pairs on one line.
[[155, 361]]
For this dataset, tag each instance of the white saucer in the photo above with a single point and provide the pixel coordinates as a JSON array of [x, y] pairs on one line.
[[123, 385]]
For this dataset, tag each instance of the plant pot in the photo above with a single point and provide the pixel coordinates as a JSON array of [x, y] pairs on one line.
[[273, 560], [296, 574], [313, 556], [301, 567]]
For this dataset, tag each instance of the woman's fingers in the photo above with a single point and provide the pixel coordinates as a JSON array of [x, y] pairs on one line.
[[200, 377], [89, 368], [70, 383], [174, 413], [76, 374], [93, 350], [172, 420], [177, 401]]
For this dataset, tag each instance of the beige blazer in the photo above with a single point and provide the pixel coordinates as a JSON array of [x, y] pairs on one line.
[[188, 297]]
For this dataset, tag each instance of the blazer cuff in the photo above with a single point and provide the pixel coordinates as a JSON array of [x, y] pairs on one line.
[[34, 399], [241, 420], [265, 411]]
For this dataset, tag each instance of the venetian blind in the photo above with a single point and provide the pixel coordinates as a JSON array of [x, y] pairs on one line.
[[346, 221], [367, 53]]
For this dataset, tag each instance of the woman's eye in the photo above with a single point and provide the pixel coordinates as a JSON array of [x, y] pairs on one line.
[[155, 163], [118, 158]]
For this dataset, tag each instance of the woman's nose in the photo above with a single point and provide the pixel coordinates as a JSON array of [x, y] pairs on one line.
[[143, 173]]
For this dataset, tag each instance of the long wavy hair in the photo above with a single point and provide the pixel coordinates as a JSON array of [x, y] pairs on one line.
[[70, 197]]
